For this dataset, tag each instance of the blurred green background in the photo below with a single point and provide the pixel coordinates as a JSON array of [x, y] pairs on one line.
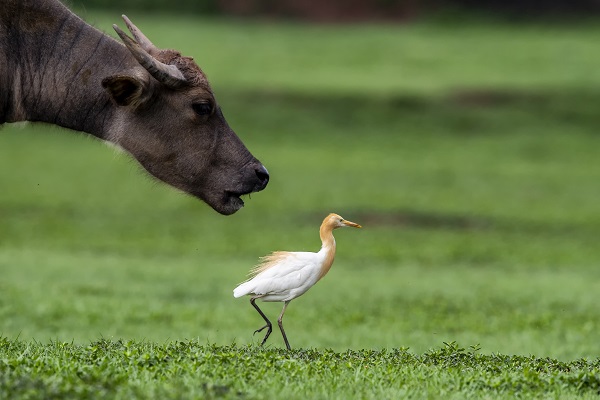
[[466, 144]]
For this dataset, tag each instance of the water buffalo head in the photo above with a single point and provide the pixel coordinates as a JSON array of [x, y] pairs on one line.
[[168, 119]]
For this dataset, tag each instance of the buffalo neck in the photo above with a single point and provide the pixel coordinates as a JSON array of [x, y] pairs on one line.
[[54, 65]]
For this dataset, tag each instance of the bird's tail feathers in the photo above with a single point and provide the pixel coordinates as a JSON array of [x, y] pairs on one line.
[[242, 290]]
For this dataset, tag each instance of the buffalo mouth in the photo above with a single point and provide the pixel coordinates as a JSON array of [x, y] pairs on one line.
[[232, 201], [229, 201], [226, 202]]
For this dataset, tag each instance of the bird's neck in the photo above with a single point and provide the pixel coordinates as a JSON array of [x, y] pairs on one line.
[[327, 248]]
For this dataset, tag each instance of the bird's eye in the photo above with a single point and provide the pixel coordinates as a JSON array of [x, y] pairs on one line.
[[202, 108]]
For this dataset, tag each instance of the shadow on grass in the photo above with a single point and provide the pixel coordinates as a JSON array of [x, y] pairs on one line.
[[493, 106], [435, 221], [422, 220]]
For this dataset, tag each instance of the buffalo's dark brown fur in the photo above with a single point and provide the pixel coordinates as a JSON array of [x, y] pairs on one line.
[[57, 69]]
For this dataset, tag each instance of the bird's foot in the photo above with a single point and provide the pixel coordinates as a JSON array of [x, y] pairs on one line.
[[262, 329], [269, 330]]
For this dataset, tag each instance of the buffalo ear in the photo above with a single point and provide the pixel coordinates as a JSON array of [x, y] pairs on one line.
[[125, 90]]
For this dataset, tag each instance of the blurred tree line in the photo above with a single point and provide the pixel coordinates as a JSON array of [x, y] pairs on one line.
[[354, 10]]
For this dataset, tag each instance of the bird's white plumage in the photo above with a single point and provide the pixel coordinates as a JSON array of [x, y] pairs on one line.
[[289, 278], [285, 275]]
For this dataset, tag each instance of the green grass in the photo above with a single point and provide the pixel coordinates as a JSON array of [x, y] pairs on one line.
[[128, 369], [468, 153]]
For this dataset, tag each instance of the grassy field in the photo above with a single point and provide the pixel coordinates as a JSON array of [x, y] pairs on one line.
[[189, 369], [469, 154]]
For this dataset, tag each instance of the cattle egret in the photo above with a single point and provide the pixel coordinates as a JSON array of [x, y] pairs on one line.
[[285, 275]]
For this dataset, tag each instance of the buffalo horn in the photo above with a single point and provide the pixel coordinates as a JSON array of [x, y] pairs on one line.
[[138, 35], [169, 75]]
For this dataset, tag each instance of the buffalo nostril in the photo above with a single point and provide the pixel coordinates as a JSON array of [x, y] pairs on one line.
[[263, 176]]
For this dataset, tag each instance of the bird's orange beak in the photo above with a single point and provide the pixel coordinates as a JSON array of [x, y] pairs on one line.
[[352, 224]]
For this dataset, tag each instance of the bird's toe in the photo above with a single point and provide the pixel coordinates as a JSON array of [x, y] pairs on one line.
[[261, 329]]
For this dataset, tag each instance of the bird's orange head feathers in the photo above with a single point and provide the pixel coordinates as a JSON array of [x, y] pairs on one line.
[[334, 221]]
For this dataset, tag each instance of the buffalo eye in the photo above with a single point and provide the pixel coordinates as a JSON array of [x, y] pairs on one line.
[[202, 109]]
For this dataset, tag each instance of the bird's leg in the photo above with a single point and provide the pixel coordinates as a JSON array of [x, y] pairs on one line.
[[268, 325], [280, 322]]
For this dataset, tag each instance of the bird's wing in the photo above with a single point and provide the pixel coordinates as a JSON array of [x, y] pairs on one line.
[[284, 272], [269, 261], [282, 263]]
